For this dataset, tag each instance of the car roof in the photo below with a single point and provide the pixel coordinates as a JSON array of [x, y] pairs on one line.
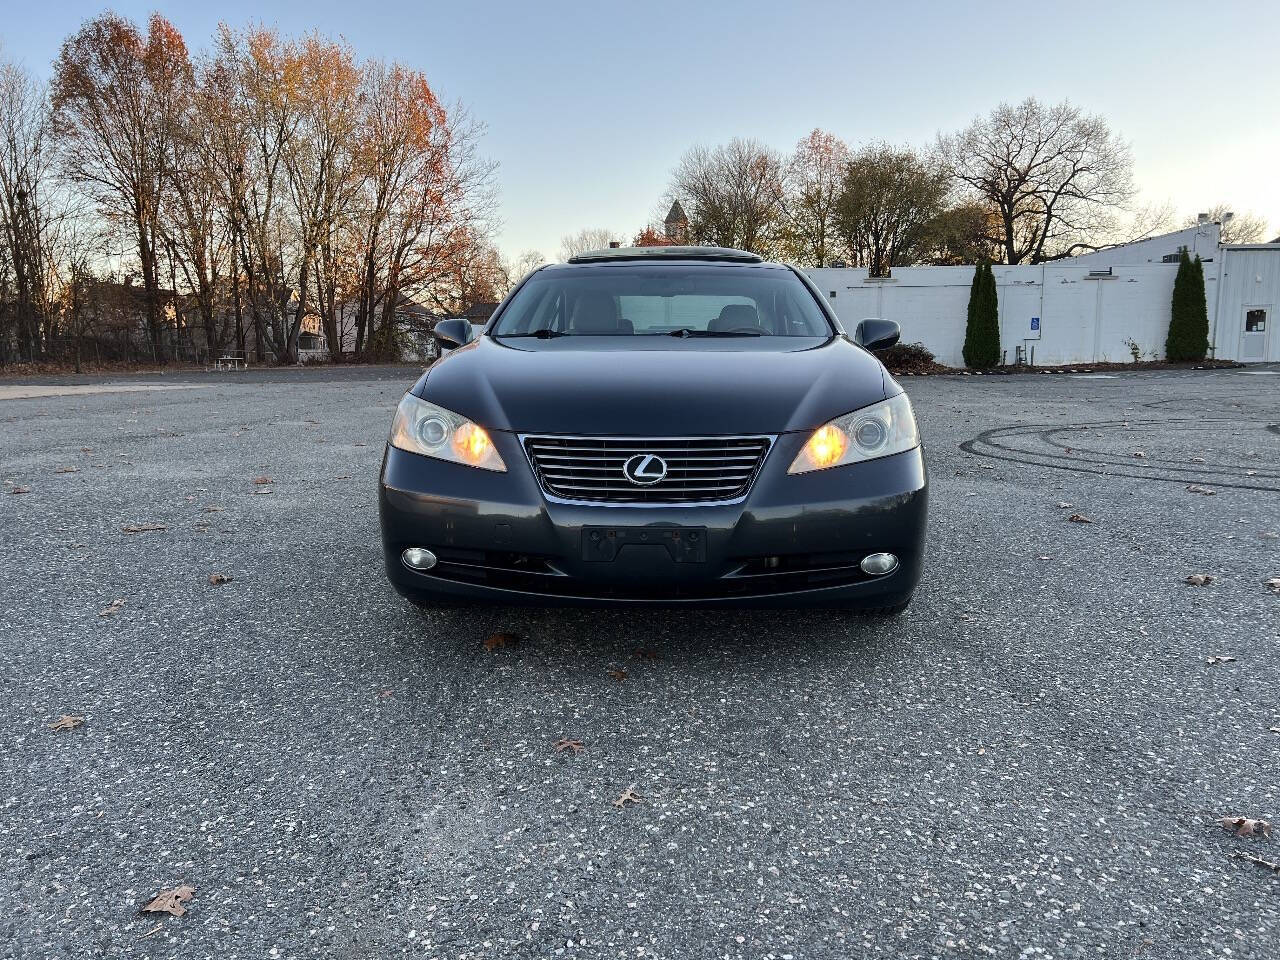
[[666, 254]]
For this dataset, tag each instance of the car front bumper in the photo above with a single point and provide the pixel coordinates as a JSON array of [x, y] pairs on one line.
[[793, 541]]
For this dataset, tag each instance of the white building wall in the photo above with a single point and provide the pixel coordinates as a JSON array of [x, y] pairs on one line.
[[1248, 279], [1089, 307], [1083, 317]]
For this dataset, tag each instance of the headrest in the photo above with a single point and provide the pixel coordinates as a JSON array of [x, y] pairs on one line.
[[735, 316], [595, 313]]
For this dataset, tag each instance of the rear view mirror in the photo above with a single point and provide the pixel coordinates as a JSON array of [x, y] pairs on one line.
[[452, 334], [877, 334]]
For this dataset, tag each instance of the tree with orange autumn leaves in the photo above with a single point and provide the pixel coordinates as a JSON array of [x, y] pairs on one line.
[[116, 95], [271, 180]]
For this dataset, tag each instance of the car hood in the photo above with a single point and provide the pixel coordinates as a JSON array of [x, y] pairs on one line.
[[605, 386]]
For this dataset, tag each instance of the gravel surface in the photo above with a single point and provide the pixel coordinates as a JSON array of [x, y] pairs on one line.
[[1028, 763]]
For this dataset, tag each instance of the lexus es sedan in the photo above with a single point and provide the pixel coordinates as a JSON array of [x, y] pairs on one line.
[[668, 425]]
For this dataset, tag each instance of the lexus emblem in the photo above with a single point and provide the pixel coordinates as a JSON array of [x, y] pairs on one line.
[[644, 469]]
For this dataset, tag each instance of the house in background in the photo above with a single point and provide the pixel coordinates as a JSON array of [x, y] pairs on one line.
[[479, 313]]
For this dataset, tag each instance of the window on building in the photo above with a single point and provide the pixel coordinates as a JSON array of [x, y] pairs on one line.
[[1255, 321]]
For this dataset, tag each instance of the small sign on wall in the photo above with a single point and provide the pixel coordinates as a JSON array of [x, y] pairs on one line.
[[1035, 324]]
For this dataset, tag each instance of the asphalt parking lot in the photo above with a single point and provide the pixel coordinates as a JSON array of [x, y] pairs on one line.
[[1028, 763]]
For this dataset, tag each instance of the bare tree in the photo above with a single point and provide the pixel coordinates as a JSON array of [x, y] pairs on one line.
[[1236, 227], [890, 196], [594, 238], [1055, 176], [115, 97], [815, 180], [26, 175], [733, 195], [194, 220], [516, 269]]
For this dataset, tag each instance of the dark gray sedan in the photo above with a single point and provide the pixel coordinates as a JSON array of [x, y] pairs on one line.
[[672, 425]]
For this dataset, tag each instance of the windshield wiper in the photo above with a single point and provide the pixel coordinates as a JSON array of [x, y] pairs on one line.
[[690, 332], [544, 334]]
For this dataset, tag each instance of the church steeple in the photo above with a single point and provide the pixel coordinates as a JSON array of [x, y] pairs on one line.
[[677, 224]]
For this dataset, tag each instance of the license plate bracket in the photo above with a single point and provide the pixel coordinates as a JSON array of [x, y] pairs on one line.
[[683, 544]]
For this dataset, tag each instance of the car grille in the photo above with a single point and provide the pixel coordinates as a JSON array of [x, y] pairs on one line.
[[699, 469]]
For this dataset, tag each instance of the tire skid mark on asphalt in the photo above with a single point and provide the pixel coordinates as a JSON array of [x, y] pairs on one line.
[[1219, 475], [1051, 437]]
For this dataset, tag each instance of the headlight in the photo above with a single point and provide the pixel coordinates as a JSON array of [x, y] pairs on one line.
[[879, 430], [421, 427]]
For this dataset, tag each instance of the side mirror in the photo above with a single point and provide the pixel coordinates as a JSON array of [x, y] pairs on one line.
[[877, 334], [451, 334]]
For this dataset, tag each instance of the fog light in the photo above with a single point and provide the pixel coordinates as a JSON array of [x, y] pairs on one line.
[[419, 558], [878, 564]]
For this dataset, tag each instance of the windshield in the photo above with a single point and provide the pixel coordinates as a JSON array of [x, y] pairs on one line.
[[684, 300]]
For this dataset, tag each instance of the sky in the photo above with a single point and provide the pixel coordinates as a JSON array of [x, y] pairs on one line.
[[588, 106]]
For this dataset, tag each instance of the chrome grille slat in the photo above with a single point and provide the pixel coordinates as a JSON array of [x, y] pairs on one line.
[[627, 451], [575, 469], [699, 469]]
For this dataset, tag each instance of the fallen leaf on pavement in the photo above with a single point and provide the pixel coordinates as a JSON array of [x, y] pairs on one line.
[[171, 901], [1063, 505], [647, 653], [262, 492], [67, 470], [618, 675], [1199, 579], [1259, 861], [112, 608], [144, 528], [1196, 488], [19, 489], [1246, 826], [1197, 459], [1140, 454], [629, 795], [213, 508], [1079, 518], [1273, 585], [218, 579], [574, 745], [1216, 660], [66, 722], [501, 640], [261, 481]]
